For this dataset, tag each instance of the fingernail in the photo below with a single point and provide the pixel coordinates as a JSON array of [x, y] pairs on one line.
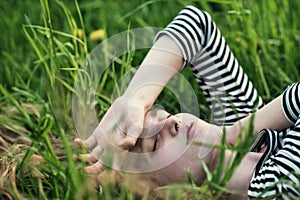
[[76, 140]]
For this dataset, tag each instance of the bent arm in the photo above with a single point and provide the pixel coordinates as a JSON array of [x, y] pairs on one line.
[[279, 114], [271, 116], [162, 62]]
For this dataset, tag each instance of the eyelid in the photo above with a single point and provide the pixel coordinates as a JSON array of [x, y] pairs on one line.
[[156, 142]]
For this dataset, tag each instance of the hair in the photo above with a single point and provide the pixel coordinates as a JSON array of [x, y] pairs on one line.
[[13, 148], [141, 184], [152, 185]]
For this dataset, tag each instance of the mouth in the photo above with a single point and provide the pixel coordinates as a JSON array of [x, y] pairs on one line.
[[191, 131]]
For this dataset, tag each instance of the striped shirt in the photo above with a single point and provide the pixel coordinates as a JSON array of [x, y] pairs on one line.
[[277, 174], [231, 96], [228, 91]]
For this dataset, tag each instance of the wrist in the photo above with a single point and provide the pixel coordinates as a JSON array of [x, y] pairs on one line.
[[232, 133], [143, 103]]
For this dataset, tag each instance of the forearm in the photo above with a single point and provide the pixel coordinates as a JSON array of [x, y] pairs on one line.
[[281, 113], [162, 62], [271, 116]]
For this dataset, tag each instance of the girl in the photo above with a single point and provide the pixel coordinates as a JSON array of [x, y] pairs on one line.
[[193, 39]]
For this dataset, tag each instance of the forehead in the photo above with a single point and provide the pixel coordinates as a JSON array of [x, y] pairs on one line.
[[155, 116]]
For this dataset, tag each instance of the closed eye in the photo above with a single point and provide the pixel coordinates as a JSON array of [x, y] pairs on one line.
[[155, 142]]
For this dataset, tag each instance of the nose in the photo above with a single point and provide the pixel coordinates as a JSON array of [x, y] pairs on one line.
[[171, 126]]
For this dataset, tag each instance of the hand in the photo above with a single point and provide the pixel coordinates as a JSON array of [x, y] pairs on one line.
[[119, 129]]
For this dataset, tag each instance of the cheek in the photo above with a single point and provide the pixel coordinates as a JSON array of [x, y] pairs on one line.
[[171, 174], [176, 171], [175, 156]]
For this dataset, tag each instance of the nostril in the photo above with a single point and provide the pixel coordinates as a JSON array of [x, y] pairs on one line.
[[176, 127]]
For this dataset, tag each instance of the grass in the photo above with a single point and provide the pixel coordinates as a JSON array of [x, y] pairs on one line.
[[40, 55]]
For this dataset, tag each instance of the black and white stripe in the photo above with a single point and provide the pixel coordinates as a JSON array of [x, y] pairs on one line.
[[291, 102], [228, 90], [278, 173]]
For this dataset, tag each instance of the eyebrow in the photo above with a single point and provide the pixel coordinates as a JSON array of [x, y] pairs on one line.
[[169, 116]]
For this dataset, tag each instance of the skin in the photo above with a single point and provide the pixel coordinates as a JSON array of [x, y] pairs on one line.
[[273, 109], [166, 128], [166, 135]]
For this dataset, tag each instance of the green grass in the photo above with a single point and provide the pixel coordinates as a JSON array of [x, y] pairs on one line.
[[40, 57]]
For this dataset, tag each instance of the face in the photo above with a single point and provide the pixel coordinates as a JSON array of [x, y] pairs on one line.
[[175, 142]]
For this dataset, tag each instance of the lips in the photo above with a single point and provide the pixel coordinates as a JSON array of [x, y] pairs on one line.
[[191, 131]]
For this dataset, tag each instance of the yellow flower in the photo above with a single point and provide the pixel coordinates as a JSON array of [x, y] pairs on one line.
[[97, 35], [78, 33]]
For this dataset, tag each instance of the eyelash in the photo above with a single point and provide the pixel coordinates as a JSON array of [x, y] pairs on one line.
[[155, 142], [156, 137]]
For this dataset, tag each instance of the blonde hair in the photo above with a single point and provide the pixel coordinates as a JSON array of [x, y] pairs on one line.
[[13, 147], [150, 185], [142, 184]]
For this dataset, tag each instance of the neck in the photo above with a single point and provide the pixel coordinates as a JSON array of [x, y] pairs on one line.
[[241, 177]]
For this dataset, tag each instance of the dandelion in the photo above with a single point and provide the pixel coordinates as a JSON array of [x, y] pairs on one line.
[[78, 33], [97, 35]]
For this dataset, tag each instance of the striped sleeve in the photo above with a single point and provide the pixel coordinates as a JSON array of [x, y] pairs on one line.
[[277, 174], [228, 91], [291, 102], [189, 30]]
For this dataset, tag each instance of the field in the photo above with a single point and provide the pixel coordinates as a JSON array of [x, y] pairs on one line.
[[43, 45]]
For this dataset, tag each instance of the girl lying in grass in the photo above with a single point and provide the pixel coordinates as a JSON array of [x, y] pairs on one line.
[[269, 170], [169, 143]]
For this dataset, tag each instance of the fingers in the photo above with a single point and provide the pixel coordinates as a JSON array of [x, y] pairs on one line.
[[96, 168], [96, 152], [127, 143], [90, 142], [133, 133], [88, 158], [79, 142]]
